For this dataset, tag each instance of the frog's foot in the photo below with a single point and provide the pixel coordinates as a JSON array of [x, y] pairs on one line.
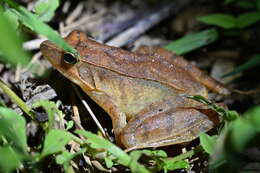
[[173, 126]]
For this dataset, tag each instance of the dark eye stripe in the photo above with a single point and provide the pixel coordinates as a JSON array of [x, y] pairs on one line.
[[69, 58]]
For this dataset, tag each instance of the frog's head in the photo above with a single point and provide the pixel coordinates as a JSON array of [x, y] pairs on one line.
[[57, 56], [66, 63]]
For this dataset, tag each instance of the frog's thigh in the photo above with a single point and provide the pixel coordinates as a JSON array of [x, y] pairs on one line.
[[200, 76], [166, 128]]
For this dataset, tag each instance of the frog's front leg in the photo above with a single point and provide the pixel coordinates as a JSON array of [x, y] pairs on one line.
[[160, 127], [118, 117]]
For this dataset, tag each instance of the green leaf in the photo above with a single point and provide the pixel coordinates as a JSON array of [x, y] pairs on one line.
[[10, 43], [154, 153], [242, 132], [170, 165], [229, 1], [218, 159], [234, 139], [135, 155], [207, 142], [55, 142], [109, 162], [247, 19], [46, 8], [2, 103], [255, 61], [122, 158], [231, 115], [12, 128], [9, 160], [226, 114], [51, 109], [229, 22], [193, 41], [65, 157], [98, 142], [70, 124], [183, 156], [252, 115], [31, 21], [258, 5], [11, 17], [245, 4], [222, 20], [157, 155]]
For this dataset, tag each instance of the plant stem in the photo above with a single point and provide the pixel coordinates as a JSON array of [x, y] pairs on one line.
[[187, 154], [16, 99]]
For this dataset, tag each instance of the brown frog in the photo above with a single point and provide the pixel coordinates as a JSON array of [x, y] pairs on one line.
[[144, 92]]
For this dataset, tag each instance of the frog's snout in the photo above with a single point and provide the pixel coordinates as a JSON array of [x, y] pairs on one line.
[[51, 52], [46, 48]]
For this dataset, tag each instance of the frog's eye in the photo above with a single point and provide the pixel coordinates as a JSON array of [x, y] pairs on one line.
[[69, 58]]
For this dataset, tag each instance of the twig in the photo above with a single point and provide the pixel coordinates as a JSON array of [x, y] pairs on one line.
[[111, 29], [33, 60], [76, 118], [146, 23], [66, 7], [18, 71], [99, 166], [33, 44], [249, 92], [75, 13], [82, 21]]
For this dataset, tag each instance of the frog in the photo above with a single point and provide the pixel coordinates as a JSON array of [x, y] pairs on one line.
[[145, 92]]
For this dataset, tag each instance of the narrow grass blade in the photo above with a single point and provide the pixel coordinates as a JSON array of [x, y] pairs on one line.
[[222, 20], [10, 43], [249, 64], [247, 19], [193, 41], [46, 9], [12, 128], [31, 21], [10, 161], [17, 100], [55, 142], [123, 158], [208, 142]]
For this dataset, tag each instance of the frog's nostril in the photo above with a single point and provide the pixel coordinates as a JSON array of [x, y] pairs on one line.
[[46, 48], [43, 46]]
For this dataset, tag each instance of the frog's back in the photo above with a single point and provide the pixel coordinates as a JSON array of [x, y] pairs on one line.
[[160, 66]]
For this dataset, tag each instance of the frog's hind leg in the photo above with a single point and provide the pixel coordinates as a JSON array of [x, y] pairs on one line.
[[195, 72], [202, 77], [172, 126]]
